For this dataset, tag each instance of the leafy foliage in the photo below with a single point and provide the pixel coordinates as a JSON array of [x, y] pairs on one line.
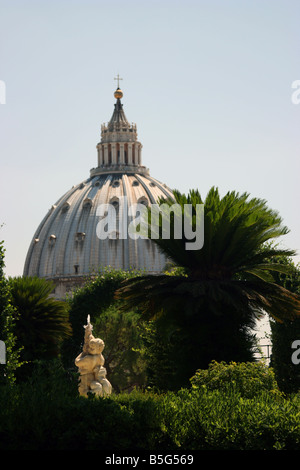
[[57, 418], [232, 262], [200, 418], [287, 373], [8, 317], [246, 378], [124, 361], [42, 321], [162, 360], [283, 334], [218, 420], [225, 286]]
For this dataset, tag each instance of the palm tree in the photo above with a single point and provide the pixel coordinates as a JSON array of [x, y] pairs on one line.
[[213, 302], [42, 322]]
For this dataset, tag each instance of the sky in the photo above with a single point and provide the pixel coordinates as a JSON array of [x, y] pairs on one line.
[[208, 83]]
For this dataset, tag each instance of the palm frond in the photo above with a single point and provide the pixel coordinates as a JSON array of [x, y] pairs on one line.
[[233, 271]]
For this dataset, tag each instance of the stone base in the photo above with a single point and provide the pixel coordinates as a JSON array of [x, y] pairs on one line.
[[66, 285]]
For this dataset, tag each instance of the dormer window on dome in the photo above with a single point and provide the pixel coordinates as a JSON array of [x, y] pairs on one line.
[[114, 201], [87, 203], [52, 240], [80, 236], [65, 207], [143, 200]]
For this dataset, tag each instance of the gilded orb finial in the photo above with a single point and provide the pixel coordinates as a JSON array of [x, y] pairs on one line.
[[118, 93]]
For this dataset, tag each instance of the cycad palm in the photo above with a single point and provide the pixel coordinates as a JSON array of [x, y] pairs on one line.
[[226, 285], [42, 321]]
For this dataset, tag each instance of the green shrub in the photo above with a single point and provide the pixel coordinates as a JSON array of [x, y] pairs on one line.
[[46, 413], [203, 419], [247, 378], [286, 372], [284, 333], [123, 352]]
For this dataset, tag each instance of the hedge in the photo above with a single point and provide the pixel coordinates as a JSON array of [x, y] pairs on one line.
[[46, 413]]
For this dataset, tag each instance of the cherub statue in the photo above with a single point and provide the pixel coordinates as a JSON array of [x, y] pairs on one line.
[[90, 364]]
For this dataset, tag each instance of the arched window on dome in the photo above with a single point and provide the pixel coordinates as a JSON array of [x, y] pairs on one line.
[[87, 204], [115, 203], [52, 240], [143, 200], [115, 183], [66, 206], [80, 236]]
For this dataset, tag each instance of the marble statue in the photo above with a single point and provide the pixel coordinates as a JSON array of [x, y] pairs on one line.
[[90, 363]]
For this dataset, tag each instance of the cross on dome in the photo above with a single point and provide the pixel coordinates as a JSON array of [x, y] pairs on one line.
[[118, 78]]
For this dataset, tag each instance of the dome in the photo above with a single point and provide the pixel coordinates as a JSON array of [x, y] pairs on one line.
[[67, 247]]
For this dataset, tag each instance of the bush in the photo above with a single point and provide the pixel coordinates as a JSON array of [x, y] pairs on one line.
[[284, 333], [46, 413], [287, 374], [162, 359], [246, 378], [123, 352], [204, 419]]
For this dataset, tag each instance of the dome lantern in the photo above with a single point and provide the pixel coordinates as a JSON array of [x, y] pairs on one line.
[[119, 150]]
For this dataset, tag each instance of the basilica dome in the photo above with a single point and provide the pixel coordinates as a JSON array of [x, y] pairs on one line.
[[66, 247]]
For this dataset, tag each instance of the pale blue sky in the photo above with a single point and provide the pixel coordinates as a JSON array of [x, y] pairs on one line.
[[208, 84]]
